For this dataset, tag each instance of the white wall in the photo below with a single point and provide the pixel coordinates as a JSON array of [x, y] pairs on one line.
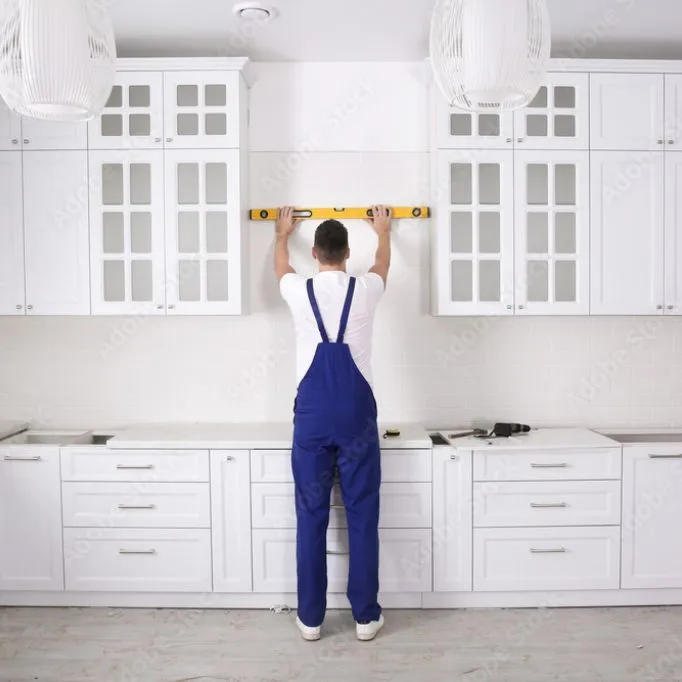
[[334, 134]]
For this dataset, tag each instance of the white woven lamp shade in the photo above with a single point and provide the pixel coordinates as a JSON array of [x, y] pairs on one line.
[[57, 58], [490, 55]]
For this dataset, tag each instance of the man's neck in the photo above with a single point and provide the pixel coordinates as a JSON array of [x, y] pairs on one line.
[[332, 268]]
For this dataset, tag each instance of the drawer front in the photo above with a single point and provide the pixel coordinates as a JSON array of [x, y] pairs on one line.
[[547, 503], [513, 559], [403, 505], [397, 466], [136, 505], [135, 560], [404, 563], [543, 465], [83, 464]]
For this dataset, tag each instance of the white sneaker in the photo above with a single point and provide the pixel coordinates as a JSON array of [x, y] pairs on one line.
[[309, 634], [368, 631]]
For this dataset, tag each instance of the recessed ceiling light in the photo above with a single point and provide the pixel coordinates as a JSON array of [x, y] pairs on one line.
[[254, 11]]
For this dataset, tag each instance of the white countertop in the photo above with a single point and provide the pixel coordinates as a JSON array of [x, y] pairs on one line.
[[10, 428], [202, 436], [536, 439]]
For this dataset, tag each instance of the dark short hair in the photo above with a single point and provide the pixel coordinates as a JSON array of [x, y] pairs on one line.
[[331, 242]]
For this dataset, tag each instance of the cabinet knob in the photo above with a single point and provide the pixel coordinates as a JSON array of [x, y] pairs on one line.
[[508, 307], [670, 307], [20, 307], [157, 140], [660, 141], [29, 307], [15, 141], [509, 140], [169, 139], [453, 458], [229, 458], [671, 141], [159, 307], [27, 141], [659, 307], [519, 139], [171, 307], [521, 307]]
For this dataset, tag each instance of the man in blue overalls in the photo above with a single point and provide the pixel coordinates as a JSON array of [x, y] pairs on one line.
[[335, 415]]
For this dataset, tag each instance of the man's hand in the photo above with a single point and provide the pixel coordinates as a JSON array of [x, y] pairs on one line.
[[381, 220], [286, 223]]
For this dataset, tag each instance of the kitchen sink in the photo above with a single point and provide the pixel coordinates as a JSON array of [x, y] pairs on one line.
[[47, 438], [645, 437]]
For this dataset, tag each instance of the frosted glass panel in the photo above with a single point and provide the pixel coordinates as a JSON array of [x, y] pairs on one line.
[[462, 237], [537, 238], [540, 100], [460, 125], [461, 191], [216, 280], [190, 280], [488, 232], [462, 281], [141, 232], [489, 125], [112, 184], [538, 281], [489, 280], [112, 233], [111, 125], [138, 96], [489, 184], [188, 183], [565, 281], [564, 233], [188, 124], [216, 232], [216, 183], [188, 95], [140, 183], [564, 126], [114, 280], [141, 285], [536, 125], [564, 97], [140, 125], [565, 184], [538, 184], [188, 232], [216, 124], [215, 95], [115, 97]]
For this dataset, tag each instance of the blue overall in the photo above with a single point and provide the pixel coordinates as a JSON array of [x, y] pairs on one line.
[[335, 430]]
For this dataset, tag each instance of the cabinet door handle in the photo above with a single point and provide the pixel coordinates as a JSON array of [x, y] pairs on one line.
[[157, 140], [229, 458], [27, 141], [671, 141], [133, 506], [29, 307], [660, 141], [550, 550], [169, 139], [336, 552], [19, 307], [13, 458], [134, 466], [659, 307], [519, 139], [453, 458], [675, 456], [137, 551], [15, 141], [171, 307], [508, 307], [669, 307], [547, 505], [509, 140], [558, 465]]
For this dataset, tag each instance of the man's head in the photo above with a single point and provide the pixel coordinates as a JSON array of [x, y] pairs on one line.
[[331, 244]]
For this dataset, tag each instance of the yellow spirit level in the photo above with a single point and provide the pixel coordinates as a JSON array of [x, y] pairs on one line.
[[399, 212]]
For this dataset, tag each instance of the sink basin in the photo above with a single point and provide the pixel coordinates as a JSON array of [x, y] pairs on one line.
[[46, 438], [645, 437], [92, 439]]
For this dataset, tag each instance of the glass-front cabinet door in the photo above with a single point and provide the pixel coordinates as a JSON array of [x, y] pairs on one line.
[[474, 233], [552, 193]]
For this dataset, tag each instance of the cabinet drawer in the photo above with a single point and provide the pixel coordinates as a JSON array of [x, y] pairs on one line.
[[547, 503], [136, 505], [397, 466], [135, 560], [404, 561], [544, 465], [512, 559], [403, 505], [84, 464]]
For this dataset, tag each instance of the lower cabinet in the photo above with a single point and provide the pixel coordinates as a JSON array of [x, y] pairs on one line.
[[652, 509], [30, 519], [404, 560]]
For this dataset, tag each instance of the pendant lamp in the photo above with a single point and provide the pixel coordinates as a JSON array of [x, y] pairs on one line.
[[57, 58], [490, 55]]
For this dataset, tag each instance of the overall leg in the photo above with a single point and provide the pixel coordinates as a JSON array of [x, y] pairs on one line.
[[313, 469], [360, 470]]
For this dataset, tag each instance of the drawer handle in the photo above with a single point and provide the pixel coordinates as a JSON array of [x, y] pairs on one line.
[[558, 465], [677, 456], [131, 466], [332, 551], [133, 506], [337, 506], [12, 458], [547, 505], [551, 550], [137, 551]]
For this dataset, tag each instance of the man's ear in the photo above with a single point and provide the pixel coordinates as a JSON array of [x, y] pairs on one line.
[[347, 254], [314, 252]]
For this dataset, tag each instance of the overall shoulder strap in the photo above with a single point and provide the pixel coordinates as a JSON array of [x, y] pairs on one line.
[[346, 310], [316, 311]]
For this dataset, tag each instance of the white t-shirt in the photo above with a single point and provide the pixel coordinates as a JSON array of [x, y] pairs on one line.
[[330, 289]]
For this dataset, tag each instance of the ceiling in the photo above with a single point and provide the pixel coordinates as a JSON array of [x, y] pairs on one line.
[[377, 30]]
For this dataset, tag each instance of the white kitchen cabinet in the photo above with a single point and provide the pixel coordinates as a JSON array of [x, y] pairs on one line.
[[673, 112], [56, 232], [127, 234], [558, 117], [627, 111], [203, 232], [231, 521], [452, 520], [45, 135], [10, 128], [627, 233], [30, 519], [552, 232], [673, 233], [133, 116], [652, 508], [474, 240], [12, 277], [202, 109]]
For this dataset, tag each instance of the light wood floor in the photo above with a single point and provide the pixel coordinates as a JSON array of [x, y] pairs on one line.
[[127, 645]]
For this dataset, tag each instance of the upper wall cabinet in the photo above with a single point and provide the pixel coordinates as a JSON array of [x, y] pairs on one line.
[[133, 115], [201, 109], [49, 135], [627, 111], [558, 116], [12, 294], [10, 128]]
